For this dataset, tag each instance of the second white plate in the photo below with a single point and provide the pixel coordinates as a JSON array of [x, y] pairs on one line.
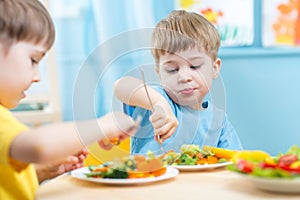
[[200, 167], [277, 185]]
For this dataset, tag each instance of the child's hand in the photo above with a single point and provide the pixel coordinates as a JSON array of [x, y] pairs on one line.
[[164, 122], [116, 127], [48, 171]]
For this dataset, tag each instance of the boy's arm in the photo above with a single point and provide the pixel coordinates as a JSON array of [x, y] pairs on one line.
[[131, 91], [54, 142], [52, 170]]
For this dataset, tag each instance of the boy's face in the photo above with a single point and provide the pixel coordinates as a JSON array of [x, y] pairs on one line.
[[187, 76], [19, 69]]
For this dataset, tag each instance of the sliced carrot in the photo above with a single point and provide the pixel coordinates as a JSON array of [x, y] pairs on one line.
[[202, 161], [159, 172], [212, 160], [101, 169]]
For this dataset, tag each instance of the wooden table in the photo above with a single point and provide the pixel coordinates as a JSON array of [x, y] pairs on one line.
[[200, 185]]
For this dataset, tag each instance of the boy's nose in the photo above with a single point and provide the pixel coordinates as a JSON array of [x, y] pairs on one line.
[[184, 75], [36, 76]]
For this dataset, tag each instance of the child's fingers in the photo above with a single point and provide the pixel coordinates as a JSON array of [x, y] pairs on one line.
[[73, 159], [168, 134], [156, 117], [84, 152], [162, 130], [124, 127], [82, 157], [158, 124], [165, 131], [105, 144], [158, 114], [77, 165]]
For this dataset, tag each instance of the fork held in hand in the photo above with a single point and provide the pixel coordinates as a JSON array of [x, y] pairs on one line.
[[152, 107], [145, 86]]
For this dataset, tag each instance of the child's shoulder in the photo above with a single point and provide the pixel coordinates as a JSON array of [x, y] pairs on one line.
[[4, 111], [162, 91]]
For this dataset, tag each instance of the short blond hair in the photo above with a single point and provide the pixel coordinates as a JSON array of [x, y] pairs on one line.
[[25, 20], [182, 30]]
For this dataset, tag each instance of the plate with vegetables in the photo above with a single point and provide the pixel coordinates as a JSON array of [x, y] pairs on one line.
[[280, 174], [192, 158], [201, 167], [130, 170]]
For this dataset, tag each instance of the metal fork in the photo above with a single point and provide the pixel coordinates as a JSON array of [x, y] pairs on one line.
[[152, 107]]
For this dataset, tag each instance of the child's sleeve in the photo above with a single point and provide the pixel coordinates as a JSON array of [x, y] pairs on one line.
[[10, 127]]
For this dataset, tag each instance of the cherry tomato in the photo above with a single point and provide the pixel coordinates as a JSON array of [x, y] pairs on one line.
[[245, 166], [291, 170], [287, 160], [265, 165]]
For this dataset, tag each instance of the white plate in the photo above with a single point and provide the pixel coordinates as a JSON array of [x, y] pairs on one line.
[[80, 174], [200, 167], [278, 185]]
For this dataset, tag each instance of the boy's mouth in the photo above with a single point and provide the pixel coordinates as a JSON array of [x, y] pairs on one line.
[[187, 91]]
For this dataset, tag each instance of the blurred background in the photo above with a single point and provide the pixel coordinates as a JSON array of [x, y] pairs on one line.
[[259, 74]]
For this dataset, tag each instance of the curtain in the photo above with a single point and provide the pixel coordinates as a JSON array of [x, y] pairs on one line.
[[123, 31], [97, 42]]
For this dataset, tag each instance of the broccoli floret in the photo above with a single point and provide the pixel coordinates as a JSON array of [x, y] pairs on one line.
[[185, 159], [116, 173], [170, 158]]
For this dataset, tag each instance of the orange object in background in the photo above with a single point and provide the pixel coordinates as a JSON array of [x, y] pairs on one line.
[[297, 25], [287, 24]]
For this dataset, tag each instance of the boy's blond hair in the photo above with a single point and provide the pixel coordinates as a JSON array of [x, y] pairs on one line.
[[183, 30], [25, 20]]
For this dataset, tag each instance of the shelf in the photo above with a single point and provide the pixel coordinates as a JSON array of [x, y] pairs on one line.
[[36, 118]]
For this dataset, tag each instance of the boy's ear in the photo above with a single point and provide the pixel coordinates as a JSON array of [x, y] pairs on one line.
[[216, 68]]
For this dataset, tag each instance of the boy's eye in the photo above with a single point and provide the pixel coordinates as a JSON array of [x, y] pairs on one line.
[[195, 67], [34, 61], [171, 70]]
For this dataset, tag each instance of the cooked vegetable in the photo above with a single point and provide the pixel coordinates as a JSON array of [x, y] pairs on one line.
[[115, 173], [185, 159], [170, 157], [193, 155], [129, 167]]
